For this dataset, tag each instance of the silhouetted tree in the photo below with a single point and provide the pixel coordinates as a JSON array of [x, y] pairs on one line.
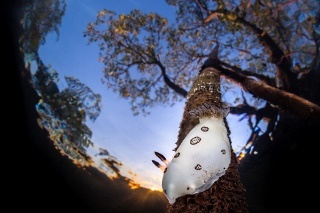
[[40, 18], [71, 106]]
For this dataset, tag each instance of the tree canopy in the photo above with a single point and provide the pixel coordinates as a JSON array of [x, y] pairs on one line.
[[146, 58], [268, 49]]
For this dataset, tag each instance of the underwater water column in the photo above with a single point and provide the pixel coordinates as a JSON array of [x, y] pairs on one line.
[[227, 193]]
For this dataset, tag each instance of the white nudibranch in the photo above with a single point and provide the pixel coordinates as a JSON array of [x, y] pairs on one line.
[[203, 156]]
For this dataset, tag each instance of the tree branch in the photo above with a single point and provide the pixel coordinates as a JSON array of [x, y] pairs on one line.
[[316, 60], [282, 99], [171, 84], [276, 53]]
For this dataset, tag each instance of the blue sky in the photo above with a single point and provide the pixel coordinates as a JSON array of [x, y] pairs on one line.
[[131, 139]]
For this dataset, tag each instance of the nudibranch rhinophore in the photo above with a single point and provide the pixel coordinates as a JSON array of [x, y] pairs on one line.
[[203, 156]]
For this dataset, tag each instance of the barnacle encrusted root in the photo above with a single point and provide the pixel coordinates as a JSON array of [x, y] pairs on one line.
[[227, 193], [204, 93], [224, 197], [199, 100]]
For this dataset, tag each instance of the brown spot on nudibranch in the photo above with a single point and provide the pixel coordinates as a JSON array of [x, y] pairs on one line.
[[204, 129], [223, 151], [198, 167], [177, 155], [188, 188], [195, 140]]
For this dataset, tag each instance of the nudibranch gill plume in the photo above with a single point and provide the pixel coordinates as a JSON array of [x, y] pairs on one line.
[[205, 152]]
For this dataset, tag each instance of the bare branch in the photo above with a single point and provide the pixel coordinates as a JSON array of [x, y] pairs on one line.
[[171, 84], [282, 99], [212, 15], [200, 6], [276, 53], [282, 6], [316, 60]]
